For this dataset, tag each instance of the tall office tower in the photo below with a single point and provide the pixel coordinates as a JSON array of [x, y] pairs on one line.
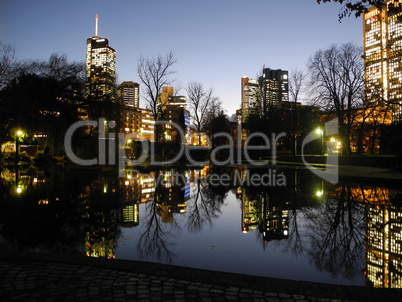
[[249, 98], [129, 94], [382, 31], [100, 68], [274, 88]]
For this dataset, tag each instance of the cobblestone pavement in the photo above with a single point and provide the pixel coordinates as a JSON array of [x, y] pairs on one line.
[[119, 280]]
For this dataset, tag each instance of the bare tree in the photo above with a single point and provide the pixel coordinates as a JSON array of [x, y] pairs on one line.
[[8, 63], [201, 101], [296, 82], [337, 79], [155, 73]]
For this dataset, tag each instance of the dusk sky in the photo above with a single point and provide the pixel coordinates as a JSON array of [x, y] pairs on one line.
[[215, 42]]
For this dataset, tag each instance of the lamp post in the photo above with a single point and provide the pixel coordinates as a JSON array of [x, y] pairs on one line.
[[321, 133]]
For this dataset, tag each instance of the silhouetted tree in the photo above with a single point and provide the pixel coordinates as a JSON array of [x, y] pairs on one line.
[[45, 101], [155, 73], [360, 6], [219, 124], [201, 101], [337, 80], [8, 64], [297, 80]]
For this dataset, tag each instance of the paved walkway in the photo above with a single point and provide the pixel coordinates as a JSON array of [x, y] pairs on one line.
[[39, 277]]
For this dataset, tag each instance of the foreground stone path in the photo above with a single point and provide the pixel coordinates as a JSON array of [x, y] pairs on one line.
[[36, 280]]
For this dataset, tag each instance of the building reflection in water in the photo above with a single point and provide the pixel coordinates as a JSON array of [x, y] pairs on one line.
[[174, 192], [383, 233], [101, 200], [86, 210], [260, 213], [384, 239]]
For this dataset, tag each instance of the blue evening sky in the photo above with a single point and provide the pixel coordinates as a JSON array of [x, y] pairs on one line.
[[215, 42]]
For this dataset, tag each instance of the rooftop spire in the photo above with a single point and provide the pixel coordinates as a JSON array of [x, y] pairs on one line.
[[96, 26]]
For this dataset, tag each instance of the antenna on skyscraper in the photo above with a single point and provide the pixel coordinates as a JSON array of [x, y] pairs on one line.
[[96, 26]]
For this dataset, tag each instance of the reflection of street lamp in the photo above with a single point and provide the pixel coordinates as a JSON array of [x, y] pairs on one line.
[[19, 133], [321, 133], [19, 190], [320, 192]]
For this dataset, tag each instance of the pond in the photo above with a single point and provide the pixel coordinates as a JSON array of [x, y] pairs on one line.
[[279, 222]]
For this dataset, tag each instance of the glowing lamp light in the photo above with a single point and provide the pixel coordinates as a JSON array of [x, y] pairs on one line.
[[319, 131], [19, 132], [19, 190], [319, 193]]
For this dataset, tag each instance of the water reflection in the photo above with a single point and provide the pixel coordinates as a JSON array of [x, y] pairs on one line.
[[348, 230]]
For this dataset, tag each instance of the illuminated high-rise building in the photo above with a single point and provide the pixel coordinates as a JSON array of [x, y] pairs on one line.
[[274, 88], [257, 96], [100, 68], [166, 98], [249, 98], [137, 121], [382, 31], [250, 102], [172, 108], [129, 94]]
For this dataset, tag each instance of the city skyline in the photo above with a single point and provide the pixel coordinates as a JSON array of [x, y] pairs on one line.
[[214, 43]]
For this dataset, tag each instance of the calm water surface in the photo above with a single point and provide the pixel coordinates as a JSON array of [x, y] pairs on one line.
[[293, 226]]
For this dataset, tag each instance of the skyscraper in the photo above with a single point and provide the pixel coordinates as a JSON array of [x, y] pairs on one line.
[[129, 94], [382, 31], [274, 88], [249, 98], [100, 68]]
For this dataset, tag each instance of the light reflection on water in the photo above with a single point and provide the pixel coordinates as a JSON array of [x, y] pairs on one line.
[[349, 233]]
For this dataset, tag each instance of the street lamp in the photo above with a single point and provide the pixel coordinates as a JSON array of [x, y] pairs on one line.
[[321, 133]]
